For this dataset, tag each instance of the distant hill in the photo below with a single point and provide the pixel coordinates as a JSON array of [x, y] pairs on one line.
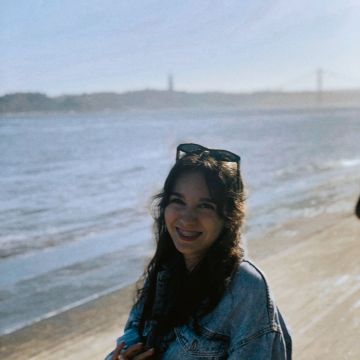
[[157, 99]]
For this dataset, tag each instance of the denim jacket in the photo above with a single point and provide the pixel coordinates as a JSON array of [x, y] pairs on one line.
[[245, 324]]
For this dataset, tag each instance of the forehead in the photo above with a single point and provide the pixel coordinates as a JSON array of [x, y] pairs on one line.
[[192, 184]]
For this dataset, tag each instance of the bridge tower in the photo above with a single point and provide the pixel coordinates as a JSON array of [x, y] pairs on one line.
[[170, 83], [319, 85]]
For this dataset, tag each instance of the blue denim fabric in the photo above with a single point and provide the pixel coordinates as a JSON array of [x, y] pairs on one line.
[[246, 324]]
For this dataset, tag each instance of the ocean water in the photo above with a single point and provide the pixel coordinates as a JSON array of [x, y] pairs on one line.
[[75, 190]]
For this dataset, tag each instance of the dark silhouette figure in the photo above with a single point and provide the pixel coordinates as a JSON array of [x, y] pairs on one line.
[[357, 209]]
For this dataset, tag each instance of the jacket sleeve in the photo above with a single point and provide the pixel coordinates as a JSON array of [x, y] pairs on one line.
[[131, 334]]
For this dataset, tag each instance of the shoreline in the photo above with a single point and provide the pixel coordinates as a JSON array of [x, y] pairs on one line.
[[89, 329], [77, 304], [317, 294]]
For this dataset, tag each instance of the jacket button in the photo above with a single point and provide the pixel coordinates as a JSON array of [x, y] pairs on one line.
[[194, 345]]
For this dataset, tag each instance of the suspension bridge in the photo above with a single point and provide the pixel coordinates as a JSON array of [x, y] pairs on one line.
[[319, 80]]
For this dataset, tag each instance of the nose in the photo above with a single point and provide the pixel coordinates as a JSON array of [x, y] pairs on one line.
[[188, 216]]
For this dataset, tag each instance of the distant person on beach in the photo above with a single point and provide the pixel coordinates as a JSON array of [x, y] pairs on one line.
[[357, 209], [201, 299]]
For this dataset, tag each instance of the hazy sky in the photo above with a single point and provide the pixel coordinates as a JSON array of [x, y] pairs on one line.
[[75, 46]]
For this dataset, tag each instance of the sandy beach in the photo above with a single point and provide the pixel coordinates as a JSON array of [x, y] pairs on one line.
[[312, 265]]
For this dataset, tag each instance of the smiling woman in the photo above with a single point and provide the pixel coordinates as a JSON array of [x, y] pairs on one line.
[[192, 219], [201, 298]]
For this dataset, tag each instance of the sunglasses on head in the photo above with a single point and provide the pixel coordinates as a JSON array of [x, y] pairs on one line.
[[217, 154]]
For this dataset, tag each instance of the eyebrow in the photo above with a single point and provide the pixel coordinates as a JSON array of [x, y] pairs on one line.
[[201, 199]]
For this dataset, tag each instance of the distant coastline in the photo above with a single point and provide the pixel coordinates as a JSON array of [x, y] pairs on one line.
[[161, 99]]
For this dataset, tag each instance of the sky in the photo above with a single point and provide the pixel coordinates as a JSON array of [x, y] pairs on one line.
[[71, 47]]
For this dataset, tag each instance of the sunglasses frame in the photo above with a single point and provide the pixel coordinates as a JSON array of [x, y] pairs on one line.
[[217, 154]]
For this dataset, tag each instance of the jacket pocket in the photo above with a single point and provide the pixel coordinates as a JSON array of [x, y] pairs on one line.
[[206, 344]]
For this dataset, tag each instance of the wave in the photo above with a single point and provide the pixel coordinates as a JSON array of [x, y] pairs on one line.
[[69, 230], [293, 171], [350, 162]]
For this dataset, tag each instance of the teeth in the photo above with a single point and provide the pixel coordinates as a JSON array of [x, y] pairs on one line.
[[188, 233]]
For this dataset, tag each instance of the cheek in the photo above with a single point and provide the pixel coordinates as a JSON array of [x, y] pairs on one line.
[[216, 226], [220, 228], [169, 216]]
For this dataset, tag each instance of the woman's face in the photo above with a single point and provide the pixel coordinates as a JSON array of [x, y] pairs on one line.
[[191, 218]]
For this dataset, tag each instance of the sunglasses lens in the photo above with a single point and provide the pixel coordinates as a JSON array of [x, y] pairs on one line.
[[224, 155], [190, 148]]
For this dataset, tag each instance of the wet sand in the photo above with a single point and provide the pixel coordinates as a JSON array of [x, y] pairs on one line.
[[313, 268]]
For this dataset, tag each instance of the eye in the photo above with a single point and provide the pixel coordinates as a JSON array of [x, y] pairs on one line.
[[209, 206], [175, 200]]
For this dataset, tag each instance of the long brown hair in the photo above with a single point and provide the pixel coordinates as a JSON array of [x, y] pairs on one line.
[[195, 294]]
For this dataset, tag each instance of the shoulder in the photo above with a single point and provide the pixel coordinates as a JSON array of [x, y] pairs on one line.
[[246, 308], [254, 320], [249, 279], [250, 293]]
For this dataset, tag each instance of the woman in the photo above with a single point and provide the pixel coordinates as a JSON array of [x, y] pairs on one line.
[[357, 208], [201, 299]]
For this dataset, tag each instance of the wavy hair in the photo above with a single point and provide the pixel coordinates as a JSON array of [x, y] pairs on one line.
[[195, 294]]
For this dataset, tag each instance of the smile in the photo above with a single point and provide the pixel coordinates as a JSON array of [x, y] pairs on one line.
[[188, 235]]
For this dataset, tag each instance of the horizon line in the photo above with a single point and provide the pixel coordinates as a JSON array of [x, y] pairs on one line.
[[240, 92]]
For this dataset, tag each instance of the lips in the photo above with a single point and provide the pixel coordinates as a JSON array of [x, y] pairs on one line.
[[188, 235]]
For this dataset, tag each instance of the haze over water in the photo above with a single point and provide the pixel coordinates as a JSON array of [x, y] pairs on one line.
[[75, 190]]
